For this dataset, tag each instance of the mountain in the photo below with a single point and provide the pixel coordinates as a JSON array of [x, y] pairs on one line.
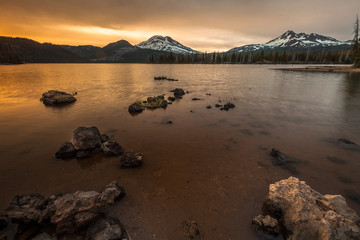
[[18, 50], [166, 44], [292, 41]]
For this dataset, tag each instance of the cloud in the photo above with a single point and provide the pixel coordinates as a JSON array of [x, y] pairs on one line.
[[201, 24]]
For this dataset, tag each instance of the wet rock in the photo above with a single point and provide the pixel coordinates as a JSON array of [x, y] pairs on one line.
[[306, 214], [136, 108], [85, 138], [69, 213], [76, 211], [26, 208], [171, 99], [208, 107], [284, 161], [111, 148], [3, 223], [227, 106], [54, 97], [178, 92], [218, 105], [346, 141], [129, 160], [104, 229], [66, 150], [191, 230], [195, 99], [266, 224], [104, 138]]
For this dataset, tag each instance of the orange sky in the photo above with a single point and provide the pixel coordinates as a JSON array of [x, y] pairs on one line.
[[205, 25]]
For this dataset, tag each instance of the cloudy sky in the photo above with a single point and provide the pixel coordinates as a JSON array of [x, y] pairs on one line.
[[206, 25]]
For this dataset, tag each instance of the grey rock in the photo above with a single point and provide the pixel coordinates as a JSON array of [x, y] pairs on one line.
[[54, 97], [66, 150], [86, 139], [104, 138], [104, 229], [136, 108], [266, 224], [129, 160], [307, 214], [111, 148]]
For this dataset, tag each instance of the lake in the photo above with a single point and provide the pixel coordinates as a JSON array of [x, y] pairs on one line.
[[211, 166]]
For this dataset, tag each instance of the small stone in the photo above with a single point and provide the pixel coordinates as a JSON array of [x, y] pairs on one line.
[[218, 105], [171, 99], [104, 138], [195, 99], [111, 148], [208, 107], [346, 141], [191, 230], [129, 160]]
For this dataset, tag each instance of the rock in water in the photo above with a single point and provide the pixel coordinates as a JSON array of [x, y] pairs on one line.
[[178, 92], [129, 160], [104, 229], [54, 97], [266, 224], [307, 214], [26, 208], [86, 139], [136, 108], [111, 148], [66, 150]]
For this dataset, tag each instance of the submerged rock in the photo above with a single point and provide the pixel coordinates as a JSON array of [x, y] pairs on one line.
[[104, 229], [304, 213], [191, 230], [283, 161], [54, 97], [130, 160], [346, 141]]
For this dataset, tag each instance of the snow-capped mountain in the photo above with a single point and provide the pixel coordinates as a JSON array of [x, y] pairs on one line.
[[168, 44], [290, 40]]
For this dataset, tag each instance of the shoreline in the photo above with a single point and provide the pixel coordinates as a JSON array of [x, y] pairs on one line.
[[332, 69]]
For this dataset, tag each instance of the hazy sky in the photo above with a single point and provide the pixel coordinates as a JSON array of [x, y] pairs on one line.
[[205, 25]]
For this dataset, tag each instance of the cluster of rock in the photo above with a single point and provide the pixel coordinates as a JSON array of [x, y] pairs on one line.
[[165, 78], [224, 107], [79, 213], [87, 141], [55, 97], [155, 102], [298, 212]]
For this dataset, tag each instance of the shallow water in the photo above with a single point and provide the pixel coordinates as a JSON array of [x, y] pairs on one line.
[[211, 166]]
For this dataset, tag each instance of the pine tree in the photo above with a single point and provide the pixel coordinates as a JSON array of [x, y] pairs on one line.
[[356, 49]]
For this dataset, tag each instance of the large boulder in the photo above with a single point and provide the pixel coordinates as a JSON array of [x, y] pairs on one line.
[[68, 213], [26, 208], [307, 214], [54, 97], [86, 139]]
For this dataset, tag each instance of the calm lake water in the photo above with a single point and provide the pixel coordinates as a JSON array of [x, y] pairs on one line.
[[211, 166]]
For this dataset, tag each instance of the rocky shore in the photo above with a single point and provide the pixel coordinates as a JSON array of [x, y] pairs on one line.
[[335, 69], [293, 210]]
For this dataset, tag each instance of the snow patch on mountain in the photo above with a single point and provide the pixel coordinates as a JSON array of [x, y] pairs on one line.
[[168, 44], [291, 39]]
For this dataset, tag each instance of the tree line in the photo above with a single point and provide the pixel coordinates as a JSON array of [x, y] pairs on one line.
[[284, 57]]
